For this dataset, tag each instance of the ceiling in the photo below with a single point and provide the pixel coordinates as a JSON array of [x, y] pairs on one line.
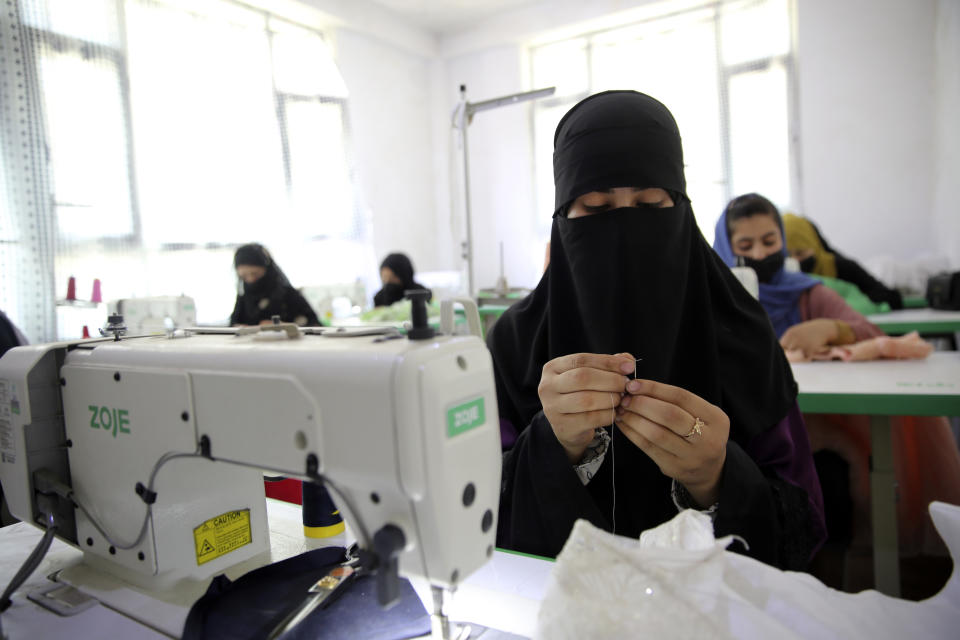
[[449, 16]]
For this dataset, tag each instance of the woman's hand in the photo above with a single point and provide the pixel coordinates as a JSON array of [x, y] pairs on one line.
[[580, 392], [660, 418], [811, 336]]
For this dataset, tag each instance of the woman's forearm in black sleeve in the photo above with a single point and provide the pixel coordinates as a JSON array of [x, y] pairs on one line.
[[235, 317], [747, 507], [541, 495], [297, 306], [772, 515], [851, 271]]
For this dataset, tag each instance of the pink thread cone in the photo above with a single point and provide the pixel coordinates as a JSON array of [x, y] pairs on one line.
[[72, 288], [86, 332], [95, 296]]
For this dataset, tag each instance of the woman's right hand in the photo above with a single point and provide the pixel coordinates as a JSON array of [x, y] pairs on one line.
[[580, 392]]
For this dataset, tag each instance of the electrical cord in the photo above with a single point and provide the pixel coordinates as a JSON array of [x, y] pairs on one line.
[[50, 483], [30, 564], [167, 457], [354, 514], [164, 459]]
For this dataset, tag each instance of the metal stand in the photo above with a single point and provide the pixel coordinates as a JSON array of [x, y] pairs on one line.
[[883, 503], [462, 117]]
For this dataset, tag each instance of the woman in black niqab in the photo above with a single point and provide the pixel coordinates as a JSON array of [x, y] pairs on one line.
[[396, 271], [641, 280], [269, 295]]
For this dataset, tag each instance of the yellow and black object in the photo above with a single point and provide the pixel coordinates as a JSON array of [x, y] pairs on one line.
[[321, 517]]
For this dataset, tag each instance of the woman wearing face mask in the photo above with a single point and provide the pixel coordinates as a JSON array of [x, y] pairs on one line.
[[396, 274], [806, 315], [632, 290], [809, 316], [807, 245], [266, 292]]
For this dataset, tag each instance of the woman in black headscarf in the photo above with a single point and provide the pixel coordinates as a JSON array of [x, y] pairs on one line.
[[10, 335], [396, 274], [267, 292], [711, 421]]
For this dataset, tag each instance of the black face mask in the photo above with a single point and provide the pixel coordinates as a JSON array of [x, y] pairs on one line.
[[768, 267], [259, 287], [807, 264], [392, 292]]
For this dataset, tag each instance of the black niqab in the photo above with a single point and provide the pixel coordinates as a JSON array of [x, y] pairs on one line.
[[642, 281], [271, 286], [402, 267], [10, 336]]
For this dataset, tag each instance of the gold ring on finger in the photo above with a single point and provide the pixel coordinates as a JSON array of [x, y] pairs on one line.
[[696, 429]]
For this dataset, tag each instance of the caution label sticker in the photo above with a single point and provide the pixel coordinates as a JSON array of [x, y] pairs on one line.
[[221, 535]]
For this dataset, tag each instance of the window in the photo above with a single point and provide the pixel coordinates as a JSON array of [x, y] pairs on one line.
[[86, 123], [724, 69], [171, 131]]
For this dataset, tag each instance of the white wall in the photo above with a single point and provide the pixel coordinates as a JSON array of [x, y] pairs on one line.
[[363, 16], [404, 85], [946, 200], [867, 104], [490, 60], [500, 164], [391, 124], [390, 69], [878, 96]]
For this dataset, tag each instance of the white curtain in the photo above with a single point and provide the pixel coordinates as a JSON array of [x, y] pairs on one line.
[[161, 134]]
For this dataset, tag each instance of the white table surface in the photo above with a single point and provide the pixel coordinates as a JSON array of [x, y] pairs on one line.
[[922, 387], [938, 373], [504, 594]]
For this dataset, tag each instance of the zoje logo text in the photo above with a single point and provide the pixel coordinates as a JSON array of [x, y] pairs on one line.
[[109, 419]]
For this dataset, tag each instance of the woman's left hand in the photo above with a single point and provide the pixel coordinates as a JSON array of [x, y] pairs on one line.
[[660, 419], [811, 337]]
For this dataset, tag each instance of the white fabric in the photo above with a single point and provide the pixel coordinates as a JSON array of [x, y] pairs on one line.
[[677, 581]]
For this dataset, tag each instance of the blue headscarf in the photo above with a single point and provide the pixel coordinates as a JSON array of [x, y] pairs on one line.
[[781, 296]]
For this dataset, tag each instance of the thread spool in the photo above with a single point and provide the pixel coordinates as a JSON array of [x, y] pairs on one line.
[[321, 517]]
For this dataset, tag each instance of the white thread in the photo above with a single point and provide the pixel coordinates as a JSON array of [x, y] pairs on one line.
[[613, 465], [613, 459]]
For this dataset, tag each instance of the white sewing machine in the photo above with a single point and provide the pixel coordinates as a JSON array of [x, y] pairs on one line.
[[405, 429], [155, 314]]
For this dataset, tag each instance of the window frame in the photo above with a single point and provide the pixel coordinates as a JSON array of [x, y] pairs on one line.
[[117, 58], [725, 74], [57, 248]]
